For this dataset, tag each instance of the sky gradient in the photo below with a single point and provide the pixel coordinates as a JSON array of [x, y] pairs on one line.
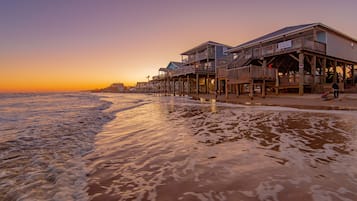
[[63, 45]]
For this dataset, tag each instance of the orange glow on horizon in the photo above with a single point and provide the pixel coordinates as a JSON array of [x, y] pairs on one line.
[[86, 45]]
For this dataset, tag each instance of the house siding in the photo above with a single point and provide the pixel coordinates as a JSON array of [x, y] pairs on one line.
[[340, 47]]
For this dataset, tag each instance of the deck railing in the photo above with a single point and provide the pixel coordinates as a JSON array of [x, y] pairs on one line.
[[291, 80], [185, 70], [295, 44], [207, 54], [224, 60], [247, 73]]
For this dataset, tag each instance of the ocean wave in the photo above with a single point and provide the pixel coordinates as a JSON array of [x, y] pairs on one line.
[[43, 143]]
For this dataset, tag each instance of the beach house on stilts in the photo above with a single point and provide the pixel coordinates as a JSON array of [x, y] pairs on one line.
[[167, 82], [197, 73], [302, 58]]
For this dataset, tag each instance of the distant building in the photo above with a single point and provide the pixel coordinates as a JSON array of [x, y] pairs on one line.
[[113, 88], [117, 87], [142, 87]]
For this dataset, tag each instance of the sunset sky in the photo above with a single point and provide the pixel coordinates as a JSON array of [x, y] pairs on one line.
[[62, 45]]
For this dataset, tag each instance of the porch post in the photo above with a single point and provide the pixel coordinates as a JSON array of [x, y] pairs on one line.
[[324, 63], [353, 75], [226, 88], [174, 86], [251, 88], [207, 83], [313, 72], [219, 86], [263, 85], [277, 81], [237, 90], [197, 84], [334, 71], [344, 73], [301, 74]]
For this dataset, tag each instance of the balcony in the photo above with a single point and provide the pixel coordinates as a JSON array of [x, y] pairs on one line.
[[302, 43], [186, 70], [207, 54]]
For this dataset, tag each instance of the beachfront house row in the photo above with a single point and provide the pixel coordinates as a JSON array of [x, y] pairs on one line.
[[197, 71], [165, 76], [303, 58]]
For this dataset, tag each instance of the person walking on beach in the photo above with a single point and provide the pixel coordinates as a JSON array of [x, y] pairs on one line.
[[335, 89]]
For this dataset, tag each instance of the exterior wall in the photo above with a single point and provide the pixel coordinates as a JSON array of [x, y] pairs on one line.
[[321, 36], [340, 47], [219, 51]]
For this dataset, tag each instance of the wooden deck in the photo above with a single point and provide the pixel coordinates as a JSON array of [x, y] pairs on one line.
[[245, 74], [302, 43], [187, 70]]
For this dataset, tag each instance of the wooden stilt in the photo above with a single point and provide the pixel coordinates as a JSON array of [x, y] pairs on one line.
[[313, 72], [197, 84], [324, 63], [334, 71], [188, 85], [277, 83], [251, 89], [263, 89], [237, 91], [219, 86], [301, 74], [174, 87], [226, 88]]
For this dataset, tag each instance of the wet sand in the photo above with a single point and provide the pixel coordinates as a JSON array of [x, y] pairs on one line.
[[174, 148], [307, 101]]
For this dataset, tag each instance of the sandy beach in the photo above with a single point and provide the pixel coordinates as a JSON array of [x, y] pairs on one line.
[[307, 101]]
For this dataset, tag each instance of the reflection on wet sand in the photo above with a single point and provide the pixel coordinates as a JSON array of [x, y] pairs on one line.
[[177, 149]]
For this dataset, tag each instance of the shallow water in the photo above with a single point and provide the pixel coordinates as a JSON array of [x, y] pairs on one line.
[[43, 138], [143, 147], [174, 148]]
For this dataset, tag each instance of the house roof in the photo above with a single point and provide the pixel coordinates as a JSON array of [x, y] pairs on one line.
[[286, 31], [203, 46], [173, 65]]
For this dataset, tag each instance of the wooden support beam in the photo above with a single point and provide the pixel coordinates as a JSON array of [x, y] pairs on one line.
[[353, 74], [174, 87], [308, 59], [237, 90], [277, 84], [219, 86], [319, 61], [206, 83], [294, 57], [263, 89], [251, 89], [313, 72], [183, 86], [301, 74], [324, 63], [344, 73], [226, 88], [197, 84], [271, 60], [334, 71], [188, 85]]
